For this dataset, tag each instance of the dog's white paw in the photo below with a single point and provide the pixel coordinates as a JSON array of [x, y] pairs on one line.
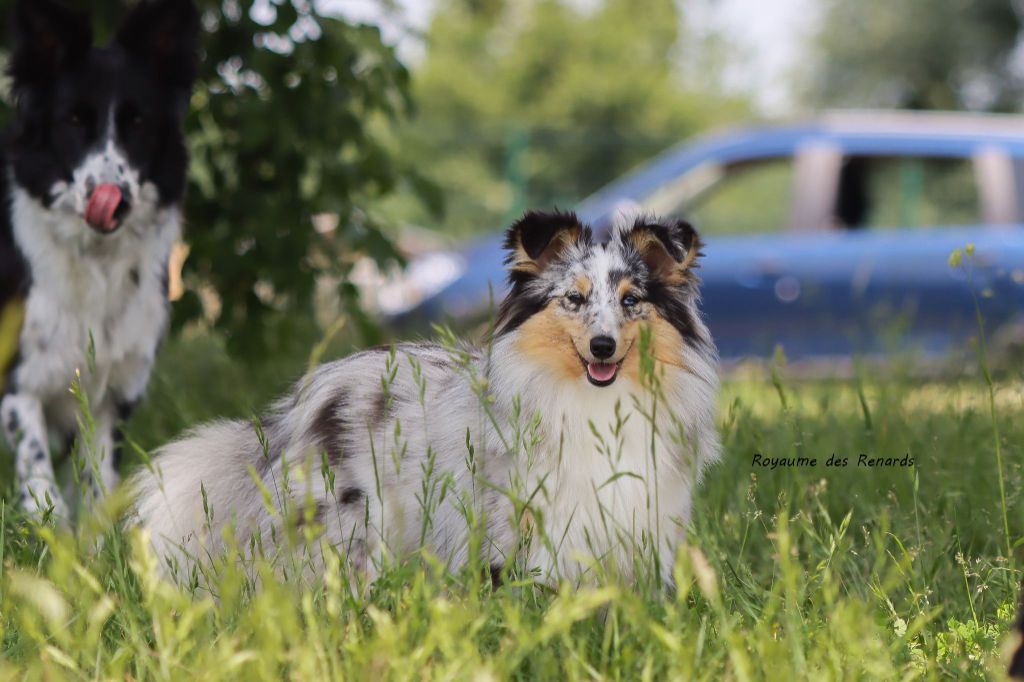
[[25, 430]]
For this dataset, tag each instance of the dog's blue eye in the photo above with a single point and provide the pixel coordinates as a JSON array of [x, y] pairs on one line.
[[575, 298], [629, 300]]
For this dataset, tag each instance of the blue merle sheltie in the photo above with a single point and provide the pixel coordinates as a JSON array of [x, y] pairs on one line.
[[94, 173], [573, 439]]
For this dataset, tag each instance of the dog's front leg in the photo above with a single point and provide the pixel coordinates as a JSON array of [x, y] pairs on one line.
[[100, 472], [25, 430]]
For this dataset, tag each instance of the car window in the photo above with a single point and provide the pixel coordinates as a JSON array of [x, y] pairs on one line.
[[748, 198], [884, 192]]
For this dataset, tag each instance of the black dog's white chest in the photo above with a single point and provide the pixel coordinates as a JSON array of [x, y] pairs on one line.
[[94, 307]]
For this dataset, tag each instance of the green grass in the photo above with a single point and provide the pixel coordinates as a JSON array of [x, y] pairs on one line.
[[793, 573]]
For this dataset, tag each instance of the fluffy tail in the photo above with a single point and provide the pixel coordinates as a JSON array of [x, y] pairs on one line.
[[196, 486]]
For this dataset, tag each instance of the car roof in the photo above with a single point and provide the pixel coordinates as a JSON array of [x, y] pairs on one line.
[[872, 132], [938, 123], [881, 133]]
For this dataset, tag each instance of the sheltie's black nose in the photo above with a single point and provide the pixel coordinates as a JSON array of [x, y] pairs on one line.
[[603, 347]]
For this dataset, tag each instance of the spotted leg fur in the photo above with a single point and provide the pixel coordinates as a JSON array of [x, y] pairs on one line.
[[25, 430]]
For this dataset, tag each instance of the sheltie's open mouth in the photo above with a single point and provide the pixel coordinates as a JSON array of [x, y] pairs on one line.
[[602, 373]]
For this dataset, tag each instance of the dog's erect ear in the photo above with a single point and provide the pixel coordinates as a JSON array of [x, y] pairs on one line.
[[48, 37], [164, 33], [539, 237], [670, 250]]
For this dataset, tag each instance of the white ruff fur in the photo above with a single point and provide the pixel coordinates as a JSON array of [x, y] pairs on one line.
[[616, 466]]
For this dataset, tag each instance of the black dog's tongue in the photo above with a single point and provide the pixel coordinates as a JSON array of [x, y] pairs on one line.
[[103, 203]]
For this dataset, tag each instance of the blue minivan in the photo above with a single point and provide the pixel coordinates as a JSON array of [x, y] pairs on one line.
[[830, 237]]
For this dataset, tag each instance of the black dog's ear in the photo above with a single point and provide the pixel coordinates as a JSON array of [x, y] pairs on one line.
[[165, 34], [539, 237], [670, 250], [48, 37]]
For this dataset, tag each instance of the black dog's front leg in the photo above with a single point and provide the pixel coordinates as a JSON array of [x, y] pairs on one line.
[[100, 473], [25, 429]]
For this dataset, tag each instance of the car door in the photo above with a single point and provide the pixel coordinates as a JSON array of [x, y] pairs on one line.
[[773, 274], [833, 255], [899, 218]]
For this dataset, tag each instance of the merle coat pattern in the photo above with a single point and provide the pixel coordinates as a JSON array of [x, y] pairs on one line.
[[575, 438], [95, 170]]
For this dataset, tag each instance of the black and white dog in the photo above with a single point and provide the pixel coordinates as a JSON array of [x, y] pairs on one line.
[[95, 174]]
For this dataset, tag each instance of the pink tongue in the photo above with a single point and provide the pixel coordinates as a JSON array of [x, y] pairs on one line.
[[601, 371], [102, 206]]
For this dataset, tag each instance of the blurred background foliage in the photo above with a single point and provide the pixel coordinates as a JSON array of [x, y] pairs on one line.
[[314, 145], [285, 163], [540, 102], [918, 54]]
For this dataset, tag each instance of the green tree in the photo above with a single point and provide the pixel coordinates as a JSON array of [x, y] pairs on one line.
[[282, 129], [539, 102], [918, 54]]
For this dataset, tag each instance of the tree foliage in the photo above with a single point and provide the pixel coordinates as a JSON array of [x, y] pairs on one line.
[[919, 54], [540, 102], [284, 126]]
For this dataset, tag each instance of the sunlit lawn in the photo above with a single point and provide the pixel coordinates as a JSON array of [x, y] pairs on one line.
[[791, 573]]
